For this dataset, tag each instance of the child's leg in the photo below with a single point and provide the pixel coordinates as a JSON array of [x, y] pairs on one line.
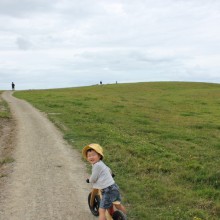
[[120, 207], [102, 214]]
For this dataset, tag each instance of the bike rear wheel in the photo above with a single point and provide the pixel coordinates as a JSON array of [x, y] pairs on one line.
[[95, 208], [119, 215]]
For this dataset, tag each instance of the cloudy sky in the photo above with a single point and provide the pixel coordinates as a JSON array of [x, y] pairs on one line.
[[68, 43]]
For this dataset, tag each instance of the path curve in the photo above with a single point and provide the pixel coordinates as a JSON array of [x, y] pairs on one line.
[[48, 178]]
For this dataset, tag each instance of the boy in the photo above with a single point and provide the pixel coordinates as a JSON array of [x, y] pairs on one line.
[[102, 179]]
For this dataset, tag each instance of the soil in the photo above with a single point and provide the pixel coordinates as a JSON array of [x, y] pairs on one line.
[[47, 178]]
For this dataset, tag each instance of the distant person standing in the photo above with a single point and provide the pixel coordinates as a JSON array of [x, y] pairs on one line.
[[13, 86]]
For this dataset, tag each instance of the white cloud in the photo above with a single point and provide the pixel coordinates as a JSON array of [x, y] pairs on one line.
[[70, 43]]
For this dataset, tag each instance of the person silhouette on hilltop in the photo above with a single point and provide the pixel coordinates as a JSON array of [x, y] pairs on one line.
[[13, 86]]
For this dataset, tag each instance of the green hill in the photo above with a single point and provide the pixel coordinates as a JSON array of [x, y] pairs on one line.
[[162, 140]]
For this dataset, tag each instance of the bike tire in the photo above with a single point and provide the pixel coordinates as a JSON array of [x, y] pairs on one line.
[[119, 215], [95, 208]]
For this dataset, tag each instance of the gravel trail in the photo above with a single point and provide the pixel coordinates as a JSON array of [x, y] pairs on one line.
[[48, 178]]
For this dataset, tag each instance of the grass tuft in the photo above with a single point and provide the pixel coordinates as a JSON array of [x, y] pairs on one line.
[[6, 160], [4, 109]]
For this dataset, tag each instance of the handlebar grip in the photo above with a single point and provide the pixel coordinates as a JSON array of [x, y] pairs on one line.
[[87, 180]]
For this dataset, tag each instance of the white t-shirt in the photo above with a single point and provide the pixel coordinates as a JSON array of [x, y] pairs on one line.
[[101, 176]]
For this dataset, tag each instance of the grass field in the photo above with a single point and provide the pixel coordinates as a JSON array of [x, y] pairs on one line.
[[162, 140]]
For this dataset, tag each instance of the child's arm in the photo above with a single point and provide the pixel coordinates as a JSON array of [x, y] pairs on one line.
[[96, 169]]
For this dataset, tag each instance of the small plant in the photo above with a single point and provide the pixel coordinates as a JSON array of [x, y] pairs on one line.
[[6, 160], [2, 175]]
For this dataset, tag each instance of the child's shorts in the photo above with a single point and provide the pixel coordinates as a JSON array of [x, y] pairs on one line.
[[110, 195]]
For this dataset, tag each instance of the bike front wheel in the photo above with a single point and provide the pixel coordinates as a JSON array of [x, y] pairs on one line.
[[95, 208], [119, 215]]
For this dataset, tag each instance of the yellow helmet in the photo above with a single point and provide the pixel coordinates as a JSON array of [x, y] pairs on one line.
[[95, 147]]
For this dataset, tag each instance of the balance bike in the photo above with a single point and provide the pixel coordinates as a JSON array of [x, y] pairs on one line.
[[111, 214]]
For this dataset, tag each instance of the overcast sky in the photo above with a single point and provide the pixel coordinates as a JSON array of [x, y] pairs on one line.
[[68, 43]]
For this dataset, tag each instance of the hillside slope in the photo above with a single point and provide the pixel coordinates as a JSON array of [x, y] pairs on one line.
[[161, 139]]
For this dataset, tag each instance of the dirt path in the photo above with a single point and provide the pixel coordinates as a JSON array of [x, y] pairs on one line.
[[48, 178]]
